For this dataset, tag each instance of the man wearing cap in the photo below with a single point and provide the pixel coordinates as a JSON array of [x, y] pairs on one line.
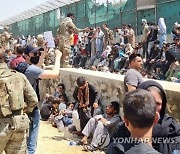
[[175, 50], [153, 56], [33, 73], [67, 27]]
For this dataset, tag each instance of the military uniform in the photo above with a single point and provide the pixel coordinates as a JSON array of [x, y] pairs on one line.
[[108, 37], [19, 94], [5, 37], [65, 30], [40, 40]]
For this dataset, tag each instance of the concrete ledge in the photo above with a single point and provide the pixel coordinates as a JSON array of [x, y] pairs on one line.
[[110, 85]]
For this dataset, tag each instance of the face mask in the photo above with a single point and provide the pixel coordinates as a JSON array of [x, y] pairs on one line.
[[34, 60]]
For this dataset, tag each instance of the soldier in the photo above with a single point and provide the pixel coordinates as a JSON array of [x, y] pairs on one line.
[[5, 37], [65, 30], [40, 41], [16, 92], [46, 55], [109, 36]]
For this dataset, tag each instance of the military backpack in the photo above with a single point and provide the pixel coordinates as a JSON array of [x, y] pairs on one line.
[[9, 100]]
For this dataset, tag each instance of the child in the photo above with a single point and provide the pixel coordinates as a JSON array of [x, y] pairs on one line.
[[64, 118], [46, 108], [60, 91], [63, 103], [67, 120], [55, 111]]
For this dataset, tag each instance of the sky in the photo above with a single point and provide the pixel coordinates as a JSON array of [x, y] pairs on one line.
[[10, 8]]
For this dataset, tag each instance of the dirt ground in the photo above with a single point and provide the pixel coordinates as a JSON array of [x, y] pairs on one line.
[[51, 141]]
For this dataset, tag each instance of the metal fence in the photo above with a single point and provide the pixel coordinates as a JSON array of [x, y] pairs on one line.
[[89, 13]]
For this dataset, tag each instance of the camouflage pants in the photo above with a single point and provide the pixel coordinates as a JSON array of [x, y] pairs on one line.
[[12, 142], [65, 48]]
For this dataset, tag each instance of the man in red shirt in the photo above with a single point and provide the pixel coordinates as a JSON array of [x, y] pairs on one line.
[[19, 58]]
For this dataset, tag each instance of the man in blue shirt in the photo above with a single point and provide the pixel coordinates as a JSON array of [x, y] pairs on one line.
[[33, 57]]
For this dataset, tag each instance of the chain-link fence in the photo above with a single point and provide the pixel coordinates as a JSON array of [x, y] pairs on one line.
[[92, 13]]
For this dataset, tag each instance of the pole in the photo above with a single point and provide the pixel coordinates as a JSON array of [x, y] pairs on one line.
[[107, 2], [136, 17], [95, 15], [155, 11]]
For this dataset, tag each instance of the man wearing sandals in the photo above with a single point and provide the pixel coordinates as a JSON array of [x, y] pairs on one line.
[[101, 128]]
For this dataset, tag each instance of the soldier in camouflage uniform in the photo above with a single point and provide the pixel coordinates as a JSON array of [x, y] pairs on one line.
[[15, 93], [108, 36], [5, 38], [65, 30], [40, 40]]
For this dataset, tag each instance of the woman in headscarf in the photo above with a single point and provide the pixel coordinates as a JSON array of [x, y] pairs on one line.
[[166, 133], [161, 31]]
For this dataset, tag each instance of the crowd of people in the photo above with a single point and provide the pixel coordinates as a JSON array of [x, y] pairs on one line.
[[104, 50], [145, 121], [108, 50], [27, 60], [99, 49]]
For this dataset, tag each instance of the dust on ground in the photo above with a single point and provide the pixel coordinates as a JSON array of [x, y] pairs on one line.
[[51, 141]]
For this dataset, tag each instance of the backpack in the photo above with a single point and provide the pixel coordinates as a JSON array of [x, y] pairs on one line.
[[9, 100]]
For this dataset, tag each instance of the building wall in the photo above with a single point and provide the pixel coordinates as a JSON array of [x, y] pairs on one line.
[[93, 13], [141, 3]]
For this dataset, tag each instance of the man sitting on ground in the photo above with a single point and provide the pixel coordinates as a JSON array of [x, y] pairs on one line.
[[101, 126]]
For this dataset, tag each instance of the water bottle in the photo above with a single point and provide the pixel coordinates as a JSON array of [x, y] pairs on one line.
[[72, 143]]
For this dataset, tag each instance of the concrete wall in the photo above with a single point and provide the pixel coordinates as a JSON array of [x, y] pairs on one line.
[[110, 85]]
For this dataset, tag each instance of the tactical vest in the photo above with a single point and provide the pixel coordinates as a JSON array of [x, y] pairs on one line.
[[11, 93]]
